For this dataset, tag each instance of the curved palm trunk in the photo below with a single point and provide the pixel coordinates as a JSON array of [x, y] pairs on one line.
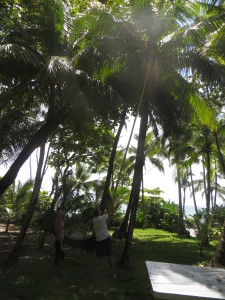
[[105, 196], [30, 210], [33, 144], [136, 185], [219, 255], [38, 139]]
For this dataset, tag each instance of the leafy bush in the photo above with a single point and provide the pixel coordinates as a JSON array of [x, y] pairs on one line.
[[117, 219], [158, 213]]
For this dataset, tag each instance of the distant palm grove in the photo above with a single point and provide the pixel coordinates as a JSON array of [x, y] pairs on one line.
[[72, 72]]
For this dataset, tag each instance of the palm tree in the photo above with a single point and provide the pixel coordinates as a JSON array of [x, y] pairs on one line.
[[55, 85], [165, 81], [152, 150], [34, 198]]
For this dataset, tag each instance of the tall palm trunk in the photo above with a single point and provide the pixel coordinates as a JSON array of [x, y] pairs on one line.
[[208, 193], [136, 184], [181, 228], [204, 178], [179, 194], [208, 183], [122, 232], [30, 210], [193, 192], [184, 200], [194, 199], [105, 196], [219, 255], [215, 192]]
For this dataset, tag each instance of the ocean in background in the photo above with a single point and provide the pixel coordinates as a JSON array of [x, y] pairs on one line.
[[190, 210]]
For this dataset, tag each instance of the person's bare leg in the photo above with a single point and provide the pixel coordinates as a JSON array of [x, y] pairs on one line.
[[112, 266]]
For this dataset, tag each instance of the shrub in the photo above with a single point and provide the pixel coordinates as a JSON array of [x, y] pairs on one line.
[[158, 213]]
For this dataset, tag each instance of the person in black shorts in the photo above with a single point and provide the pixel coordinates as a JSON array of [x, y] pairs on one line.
[[103, 241]]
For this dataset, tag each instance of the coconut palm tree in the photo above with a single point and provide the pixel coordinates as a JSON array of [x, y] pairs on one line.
[[163, 24], [43, 46]]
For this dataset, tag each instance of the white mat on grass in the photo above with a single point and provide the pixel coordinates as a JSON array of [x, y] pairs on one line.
[[174, 281]]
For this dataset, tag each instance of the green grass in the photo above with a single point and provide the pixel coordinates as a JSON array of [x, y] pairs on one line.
[[32, 277]]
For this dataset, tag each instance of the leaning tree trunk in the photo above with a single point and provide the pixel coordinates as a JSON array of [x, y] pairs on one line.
[[105, 196], [194, 199], [136, 184], [52, 122], [30, 210], [35, 142], [219, 255], [218, 259]]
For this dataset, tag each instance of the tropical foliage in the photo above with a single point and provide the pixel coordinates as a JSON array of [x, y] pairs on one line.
[[72, 72]]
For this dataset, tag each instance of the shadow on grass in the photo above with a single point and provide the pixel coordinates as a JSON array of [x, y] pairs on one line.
[[32, 277]]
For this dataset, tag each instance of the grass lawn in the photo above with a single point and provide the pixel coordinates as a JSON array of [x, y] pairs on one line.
[[32, 277]]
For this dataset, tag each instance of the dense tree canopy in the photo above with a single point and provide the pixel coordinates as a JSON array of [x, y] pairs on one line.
[[71, 72]]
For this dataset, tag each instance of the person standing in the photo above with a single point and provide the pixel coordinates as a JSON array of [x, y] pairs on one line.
[[103, 240], [59, 242]]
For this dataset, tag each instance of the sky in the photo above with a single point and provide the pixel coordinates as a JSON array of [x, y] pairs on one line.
[[152, 177]]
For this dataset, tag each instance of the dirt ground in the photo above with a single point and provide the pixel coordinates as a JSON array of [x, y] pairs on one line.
[[31, 242]]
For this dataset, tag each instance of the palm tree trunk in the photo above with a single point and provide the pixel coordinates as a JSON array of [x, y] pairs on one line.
[[35, 142], [208, 183], [219, 256], [194, 200], [184, 200], [122, 232], [215, 194], [136, 184], [105, 196], [179, 195], [204, 179], [30, 210], [181, 228], [208, 194], [219, 152], [193, 192], [52, 122]]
